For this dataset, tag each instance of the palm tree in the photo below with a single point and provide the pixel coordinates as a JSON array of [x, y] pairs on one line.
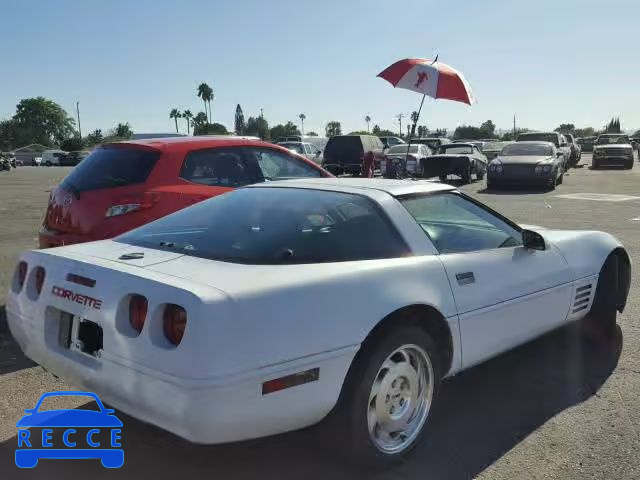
[[368, 120], [302, 118], [175, 114], [188, 115], [205, 92]]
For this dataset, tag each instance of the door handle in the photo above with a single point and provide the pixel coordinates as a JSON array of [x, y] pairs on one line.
[[465, 278]]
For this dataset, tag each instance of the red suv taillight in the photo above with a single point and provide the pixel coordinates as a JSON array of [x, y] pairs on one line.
[[132, 203], [39, 276], [174, 323], [21, 272], [138, 306]]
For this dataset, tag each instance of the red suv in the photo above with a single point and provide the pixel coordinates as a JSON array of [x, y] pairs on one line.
[[123, 185]]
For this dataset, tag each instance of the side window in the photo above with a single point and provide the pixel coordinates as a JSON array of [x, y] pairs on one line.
[[275, 165], [221, 167], [307, 149], [457, 225]]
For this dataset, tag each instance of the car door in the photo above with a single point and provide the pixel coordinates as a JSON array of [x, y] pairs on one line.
[[505, 294]]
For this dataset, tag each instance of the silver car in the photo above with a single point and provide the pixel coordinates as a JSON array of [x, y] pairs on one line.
[[305, 149], [527, 163]]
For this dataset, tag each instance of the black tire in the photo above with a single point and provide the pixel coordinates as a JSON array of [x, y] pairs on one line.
[[600, 323], [47, 163], [629, 165], [560, 179], [594, 165], [466, 177], [347, 427]]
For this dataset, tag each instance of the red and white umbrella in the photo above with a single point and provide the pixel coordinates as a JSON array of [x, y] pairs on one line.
[[430, 78]]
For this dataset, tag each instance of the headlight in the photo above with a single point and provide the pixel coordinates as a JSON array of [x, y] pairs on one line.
[[538, 169], [499, 168], [495, 167], [546, 168]]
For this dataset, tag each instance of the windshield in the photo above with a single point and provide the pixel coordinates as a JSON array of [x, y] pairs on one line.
[[275, 226], [543, 137], [110, 167], [526, 149], [403, 149], [454, 148], [609, 139], [494, 146]]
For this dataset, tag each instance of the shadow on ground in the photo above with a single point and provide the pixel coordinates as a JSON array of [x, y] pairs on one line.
[[481, 415], [11, 357]]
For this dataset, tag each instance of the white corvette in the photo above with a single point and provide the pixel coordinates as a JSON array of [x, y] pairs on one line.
[[268, 308]]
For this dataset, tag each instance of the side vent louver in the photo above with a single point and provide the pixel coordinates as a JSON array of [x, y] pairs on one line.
[[581, 301]]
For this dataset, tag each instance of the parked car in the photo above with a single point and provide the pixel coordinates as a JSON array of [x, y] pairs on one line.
[[556, 138], [404, 160], [284, 304], [391, 141], [432, 142], [492, 149], [123, 185], [612, 149], [72, 159], [575, 148], [527, 163], [52, 158], [318, 142], [461, 159], [586, 143], [478, 143], [344, 154], [307, 150], [5, 164]]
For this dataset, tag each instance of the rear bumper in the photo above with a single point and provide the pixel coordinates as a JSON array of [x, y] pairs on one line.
[[211, 410], [51, 238], [530, 180]]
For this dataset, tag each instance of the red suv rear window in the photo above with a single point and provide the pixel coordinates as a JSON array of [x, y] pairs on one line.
[[111, 167]]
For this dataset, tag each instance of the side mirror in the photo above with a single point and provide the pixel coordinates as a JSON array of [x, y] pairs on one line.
[[533, 240]]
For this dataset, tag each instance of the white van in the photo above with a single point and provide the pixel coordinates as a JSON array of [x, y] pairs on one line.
[[52, 157]]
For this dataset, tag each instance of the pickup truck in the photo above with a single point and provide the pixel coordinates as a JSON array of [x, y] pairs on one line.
[[612, 149]]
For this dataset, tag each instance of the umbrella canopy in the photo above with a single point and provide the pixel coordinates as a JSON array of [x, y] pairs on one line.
[[430, 78]]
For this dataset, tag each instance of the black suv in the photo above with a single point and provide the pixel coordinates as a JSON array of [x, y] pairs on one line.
[[344, 154]]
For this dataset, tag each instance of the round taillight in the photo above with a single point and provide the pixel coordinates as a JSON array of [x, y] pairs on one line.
[[138, 305], [21, 273], [174, 323], [39, 275]]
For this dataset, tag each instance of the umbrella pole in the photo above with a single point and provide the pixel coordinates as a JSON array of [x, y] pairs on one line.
[[413, 131]]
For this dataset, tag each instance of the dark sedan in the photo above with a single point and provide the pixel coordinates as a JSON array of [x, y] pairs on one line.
[[461, 159], [527, 163]]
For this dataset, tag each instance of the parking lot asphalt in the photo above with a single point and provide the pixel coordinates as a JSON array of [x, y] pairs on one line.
[[554, 408]]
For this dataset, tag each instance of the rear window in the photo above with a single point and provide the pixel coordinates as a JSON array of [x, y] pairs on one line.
[[111, 167], [452, 149], [344, 146], [543, 137], [276, 226]]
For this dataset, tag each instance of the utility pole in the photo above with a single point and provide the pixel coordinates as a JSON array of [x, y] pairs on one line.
[[514, 126], [261, 115], [78, 115], [400, 116]]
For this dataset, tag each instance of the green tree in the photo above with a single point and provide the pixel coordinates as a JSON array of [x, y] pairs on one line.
[[94, 138], [187, 115], [280, 130], [199, 120], [123, 130], [175, 114], [8, 135], [72, 144], [613, 126], [385, 133], [39, 120], [312, 134], [358, 132], [302, 118], [333, 128], [205, 92], [210, 129], [488, 129], [258, 127], [566, 128], [239, 121], [367, 120], [585, 132], [376, 130]]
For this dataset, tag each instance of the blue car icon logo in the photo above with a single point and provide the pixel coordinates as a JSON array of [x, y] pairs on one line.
[[84, 434]]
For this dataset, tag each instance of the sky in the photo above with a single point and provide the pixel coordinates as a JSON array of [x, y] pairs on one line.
[[546, 62]]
